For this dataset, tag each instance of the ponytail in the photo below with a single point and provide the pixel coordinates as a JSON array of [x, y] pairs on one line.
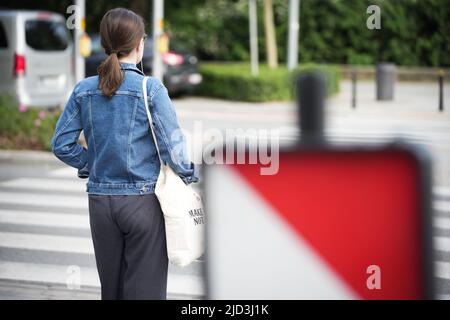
[[121, 31], [110, 75]]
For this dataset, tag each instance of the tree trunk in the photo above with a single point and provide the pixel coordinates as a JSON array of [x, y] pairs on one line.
[[271, 41]]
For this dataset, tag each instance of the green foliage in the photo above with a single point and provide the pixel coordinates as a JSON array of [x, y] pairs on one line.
[[234, 81], [31, 129], [413, 32], [214, 30]]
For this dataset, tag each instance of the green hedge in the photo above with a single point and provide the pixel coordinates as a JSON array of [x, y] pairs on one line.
[[30, 128], [234, 81]]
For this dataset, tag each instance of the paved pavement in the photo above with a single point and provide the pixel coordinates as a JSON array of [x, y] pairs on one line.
[[45, 244]]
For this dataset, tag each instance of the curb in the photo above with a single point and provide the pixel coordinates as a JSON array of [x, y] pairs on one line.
[[28, 156]]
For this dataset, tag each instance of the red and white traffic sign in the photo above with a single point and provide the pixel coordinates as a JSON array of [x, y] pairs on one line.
[[331, 224]]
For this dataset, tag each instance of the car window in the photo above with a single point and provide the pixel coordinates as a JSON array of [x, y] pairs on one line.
[[3, 39], [46, 35]]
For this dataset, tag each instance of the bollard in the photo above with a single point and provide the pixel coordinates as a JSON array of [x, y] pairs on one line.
[[354, 80], [385, 79], [441, 91], [311, 89]]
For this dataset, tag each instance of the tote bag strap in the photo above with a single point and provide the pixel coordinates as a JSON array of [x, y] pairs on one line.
[[149, 116]]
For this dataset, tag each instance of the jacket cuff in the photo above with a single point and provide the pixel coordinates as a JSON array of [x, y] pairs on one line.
[[194, 177], [83, 173]]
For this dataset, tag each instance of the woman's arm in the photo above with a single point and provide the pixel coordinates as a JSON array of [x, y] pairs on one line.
[[67, 131], [171, 140]]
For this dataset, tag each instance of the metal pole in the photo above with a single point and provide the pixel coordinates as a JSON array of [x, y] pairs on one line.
[[271, 38], [354, 80], [294, 26], [441, 91], [158, 25], [79, 31], [311, 89], [253, 37]]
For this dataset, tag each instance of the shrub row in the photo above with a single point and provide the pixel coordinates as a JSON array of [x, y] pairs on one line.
[[234, 81], [24, 127]]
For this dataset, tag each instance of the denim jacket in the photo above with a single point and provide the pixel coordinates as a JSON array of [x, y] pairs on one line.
[[121, 157]]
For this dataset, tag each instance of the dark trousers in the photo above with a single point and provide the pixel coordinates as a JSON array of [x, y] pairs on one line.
[[130, 246]]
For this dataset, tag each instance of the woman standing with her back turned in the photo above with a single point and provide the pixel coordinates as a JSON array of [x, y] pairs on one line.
[[121, 161]]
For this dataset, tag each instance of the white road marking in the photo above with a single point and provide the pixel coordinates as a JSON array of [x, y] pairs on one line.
[[46, 184], [46, 242], [85, 276], [66, 172], [58, 220], [442, 244], [79, 202], [442, 270]]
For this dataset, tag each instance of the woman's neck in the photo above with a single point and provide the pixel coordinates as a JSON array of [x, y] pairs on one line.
[[131, 58]]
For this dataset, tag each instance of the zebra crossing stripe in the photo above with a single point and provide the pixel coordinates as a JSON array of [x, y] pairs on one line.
[[73, 275], [442, 223], [442, 244], [45, 242], [57, 220], [441, 205], [49, 273], [27, 198], [442, 191], [442, 270], [66, 172], [47, 184]]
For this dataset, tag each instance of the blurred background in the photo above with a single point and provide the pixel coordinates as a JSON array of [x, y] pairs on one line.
[[227, 64]]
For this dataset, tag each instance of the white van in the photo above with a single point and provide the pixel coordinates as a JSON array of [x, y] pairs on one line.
[[36, 65]]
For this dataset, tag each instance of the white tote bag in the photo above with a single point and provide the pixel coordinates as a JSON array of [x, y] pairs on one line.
[[182, 207]]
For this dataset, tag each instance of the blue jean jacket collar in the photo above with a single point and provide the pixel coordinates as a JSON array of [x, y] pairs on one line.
[[130, 66]]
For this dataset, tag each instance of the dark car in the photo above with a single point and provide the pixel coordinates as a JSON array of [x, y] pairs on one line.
[[180, 67]]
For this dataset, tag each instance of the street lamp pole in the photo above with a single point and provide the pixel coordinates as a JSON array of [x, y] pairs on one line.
[[294, 26], [78, 33], [253, 37], [158, 25]]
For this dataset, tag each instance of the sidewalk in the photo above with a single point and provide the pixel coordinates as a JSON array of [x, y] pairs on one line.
[[411, 100]]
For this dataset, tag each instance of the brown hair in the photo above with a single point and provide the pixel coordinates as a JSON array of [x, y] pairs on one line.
[[121, 31]]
